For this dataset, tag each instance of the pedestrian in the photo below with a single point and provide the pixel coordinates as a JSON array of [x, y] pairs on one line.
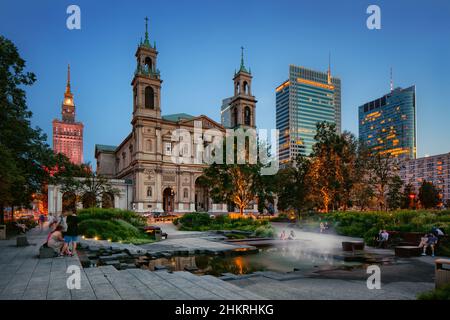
[[41, 221], [71, 234]]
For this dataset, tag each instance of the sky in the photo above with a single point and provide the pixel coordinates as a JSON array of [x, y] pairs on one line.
[[199, 49]]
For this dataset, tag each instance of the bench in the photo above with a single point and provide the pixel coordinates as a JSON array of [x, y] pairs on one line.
[[407, 251], [442, 274], [352, 245], [22, 241]]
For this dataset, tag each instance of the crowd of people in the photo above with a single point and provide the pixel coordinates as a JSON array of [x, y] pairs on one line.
[[63, 235], [291, 235]]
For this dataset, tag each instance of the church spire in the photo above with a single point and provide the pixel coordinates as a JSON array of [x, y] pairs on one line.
[[146, 42], [242, 68]]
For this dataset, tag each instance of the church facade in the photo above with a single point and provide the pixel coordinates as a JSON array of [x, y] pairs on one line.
[[145, 157]]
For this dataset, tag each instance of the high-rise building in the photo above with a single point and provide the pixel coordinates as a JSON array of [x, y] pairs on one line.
[[225, 112], [388, 125], [435, 169], [306, 98], [67, 133]]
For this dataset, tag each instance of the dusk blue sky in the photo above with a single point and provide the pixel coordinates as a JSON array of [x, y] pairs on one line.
[[199, 49]]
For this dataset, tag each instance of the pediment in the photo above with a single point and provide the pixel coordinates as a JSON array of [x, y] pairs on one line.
[[207, 123]]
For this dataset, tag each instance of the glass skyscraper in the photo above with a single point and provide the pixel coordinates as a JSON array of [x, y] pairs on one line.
[[306, 98], [388, 124]]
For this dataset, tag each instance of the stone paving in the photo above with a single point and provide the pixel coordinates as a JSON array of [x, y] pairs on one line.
[[24, 276]]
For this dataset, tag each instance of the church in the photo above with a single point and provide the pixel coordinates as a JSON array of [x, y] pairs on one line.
[[144, 158]]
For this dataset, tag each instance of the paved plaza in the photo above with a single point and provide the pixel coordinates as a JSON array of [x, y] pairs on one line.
[[24, 276]]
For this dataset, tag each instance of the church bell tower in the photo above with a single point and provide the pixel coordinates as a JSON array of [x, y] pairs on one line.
[[146, 82], [243, 103]]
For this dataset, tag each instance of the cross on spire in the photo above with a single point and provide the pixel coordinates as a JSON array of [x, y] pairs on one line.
[[242, 68]]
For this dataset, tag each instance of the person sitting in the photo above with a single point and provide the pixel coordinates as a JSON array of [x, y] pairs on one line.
[[383, 238], [423, 241], [21, 228], [55, 240], [431, 242], [291, 235], [283, 235], [322, 227]]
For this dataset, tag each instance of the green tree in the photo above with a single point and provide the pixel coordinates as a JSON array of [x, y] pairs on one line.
[[293, 187], [428, 195], [240, 184], [326, 174], [394, 195], [408, 197], [382, 169], [25, 154]]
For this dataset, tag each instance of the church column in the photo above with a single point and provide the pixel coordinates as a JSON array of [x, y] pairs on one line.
[[192, 193]]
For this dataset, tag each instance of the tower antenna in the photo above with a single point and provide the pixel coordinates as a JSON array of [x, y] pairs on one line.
[[392, 82]]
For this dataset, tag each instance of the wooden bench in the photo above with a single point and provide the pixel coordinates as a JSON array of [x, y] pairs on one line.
[[442, 274], [352, 245], [407, 251]]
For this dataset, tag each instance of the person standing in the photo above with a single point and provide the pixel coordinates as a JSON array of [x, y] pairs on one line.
[[71, 234], [41, 221]]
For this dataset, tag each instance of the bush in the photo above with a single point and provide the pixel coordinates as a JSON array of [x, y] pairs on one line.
[[436, 294], [203, 222], [265, 231], [112, 214], [114, 224]]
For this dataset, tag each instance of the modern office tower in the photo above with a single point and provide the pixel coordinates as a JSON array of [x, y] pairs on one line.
[[67, 133], [306, 98], [388, 125], [225, 112], [435, 169]]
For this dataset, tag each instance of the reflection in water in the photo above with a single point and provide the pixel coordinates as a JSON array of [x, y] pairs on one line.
[[277, 258]]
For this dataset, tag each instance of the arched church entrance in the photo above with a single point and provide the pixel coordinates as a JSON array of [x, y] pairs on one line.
[[168, 199], [201, 195]]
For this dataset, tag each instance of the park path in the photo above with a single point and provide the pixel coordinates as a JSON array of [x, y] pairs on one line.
[[23, 276]]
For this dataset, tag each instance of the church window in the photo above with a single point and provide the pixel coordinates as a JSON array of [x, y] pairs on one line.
[[245, 87], [247, 116], [168, 148], [149, 146], [148, 63], [149, 98], [149, 192], [185, 193]]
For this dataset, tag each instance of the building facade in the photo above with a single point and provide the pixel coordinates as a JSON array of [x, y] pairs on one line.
[[146, 156], [67, 133], [306, 98], [388, 125], [435, 169]]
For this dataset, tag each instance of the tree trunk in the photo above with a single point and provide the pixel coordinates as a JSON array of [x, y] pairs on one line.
[[12, 213], [241, 210]]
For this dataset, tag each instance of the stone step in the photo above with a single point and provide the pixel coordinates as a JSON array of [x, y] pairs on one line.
[[217, 288], [164, 289], [193, 289], [247, 294]]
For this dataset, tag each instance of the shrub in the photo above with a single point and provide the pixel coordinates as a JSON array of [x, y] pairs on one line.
[[436, 294], [112, 214], [265, 231]]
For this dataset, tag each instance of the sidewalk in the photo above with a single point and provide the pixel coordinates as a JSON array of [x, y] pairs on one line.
[[23, 276]]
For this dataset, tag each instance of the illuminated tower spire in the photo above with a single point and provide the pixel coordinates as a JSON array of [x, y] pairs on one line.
[[68, 81]]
